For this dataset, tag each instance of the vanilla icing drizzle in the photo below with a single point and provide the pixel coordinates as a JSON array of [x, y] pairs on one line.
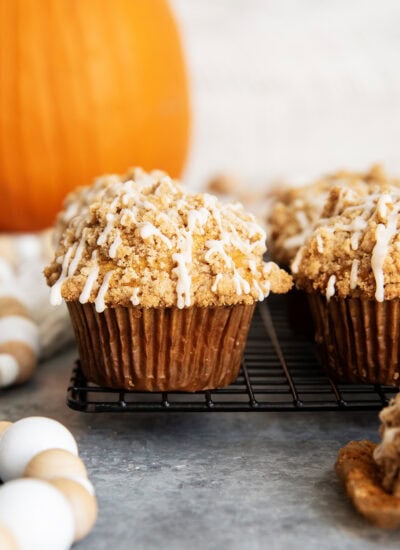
[[174, 226]]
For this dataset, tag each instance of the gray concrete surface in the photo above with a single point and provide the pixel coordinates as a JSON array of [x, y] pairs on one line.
[[209, 480]]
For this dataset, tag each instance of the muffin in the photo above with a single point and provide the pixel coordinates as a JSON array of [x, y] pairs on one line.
[[160, 284], [296, 210], [350, 270]]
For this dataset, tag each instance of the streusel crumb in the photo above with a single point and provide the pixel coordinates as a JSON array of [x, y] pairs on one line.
[[147, 242], [355, 253], [297, 210]]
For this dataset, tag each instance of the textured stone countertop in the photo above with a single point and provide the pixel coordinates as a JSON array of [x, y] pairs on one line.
[[209, 480]]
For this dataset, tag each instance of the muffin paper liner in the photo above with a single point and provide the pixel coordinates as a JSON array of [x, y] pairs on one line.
[[358, 339], [299, 314], [166, 349]]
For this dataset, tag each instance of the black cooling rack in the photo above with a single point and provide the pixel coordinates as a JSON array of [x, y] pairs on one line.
[[280, 372]]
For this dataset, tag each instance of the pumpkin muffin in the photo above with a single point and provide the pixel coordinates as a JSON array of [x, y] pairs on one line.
[[350, 270], [296, 211], [161, 284]]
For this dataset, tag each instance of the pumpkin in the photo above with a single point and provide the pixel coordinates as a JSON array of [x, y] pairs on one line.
[[87, 87]]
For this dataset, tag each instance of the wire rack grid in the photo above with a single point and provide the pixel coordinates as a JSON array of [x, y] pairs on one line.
[[280, 372]]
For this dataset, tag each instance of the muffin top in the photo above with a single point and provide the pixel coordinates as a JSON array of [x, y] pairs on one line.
[[147, 242], [356, 252], [297, 210], [79, 200]]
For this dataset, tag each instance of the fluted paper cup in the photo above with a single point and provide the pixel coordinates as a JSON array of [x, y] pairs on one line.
[[358, 339], [299, 314], [166, 349]]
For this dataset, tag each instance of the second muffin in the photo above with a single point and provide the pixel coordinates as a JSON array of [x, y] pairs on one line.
[[161, 284], [350, 269]]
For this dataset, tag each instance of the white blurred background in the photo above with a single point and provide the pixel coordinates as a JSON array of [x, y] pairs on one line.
[[291, 89]]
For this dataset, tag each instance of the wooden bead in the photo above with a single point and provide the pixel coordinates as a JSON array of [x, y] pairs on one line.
[[4, 425], [7, 539], [28, 437], [19, 342], [38, 515], [55, 463], [83, 505]]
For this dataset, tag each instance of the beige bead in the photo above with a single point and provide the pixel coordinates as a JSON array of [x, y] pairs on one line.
[[19, 350], [25, 357], [54, 463], [83, 505], [4, 425], [7, 539]]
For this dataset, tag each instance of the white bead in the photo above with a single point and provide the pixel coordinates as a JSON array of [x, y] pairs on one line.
[[9, 369], [28, 437], [37, 514]]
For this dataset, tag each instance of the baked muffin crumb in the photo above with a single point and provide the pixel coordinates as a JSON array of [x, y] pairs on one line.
[[147, 242]]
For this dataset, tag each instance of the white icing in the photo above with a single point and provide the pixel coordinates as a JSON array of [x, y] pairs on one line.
[[147, 230], [383, 201], [9, 369], [354, 274], [115, 245], [217, 247], [78, 255], [330, 287], [70, 212], [91, 279], [15, 328], [109, 226], [383, 235], [298, 239], [55, 291], [297, 260], [259, 290], [197, 217], [184, 281], [267, 268], [128, 217], [253, 266], [99, 301], [302, 219], [217, 279], [355, 240], [183, 260], [135, 296], [237, 280]]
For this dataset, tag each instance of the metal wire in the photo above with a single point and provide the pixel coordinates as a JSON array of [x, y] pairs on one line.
[[280, 372]]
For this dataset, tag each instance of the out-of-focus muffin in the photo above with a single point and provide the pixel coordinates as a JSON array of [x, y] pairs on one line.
[[296, 210], [350, 269], [160, 283]]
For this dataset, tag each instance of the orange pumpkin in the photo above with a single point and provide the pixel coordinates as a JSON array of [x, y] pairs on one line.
[[86, 87]]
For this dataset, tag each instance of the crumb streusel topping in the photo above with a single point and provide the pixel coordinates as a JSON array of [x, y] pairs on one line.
[[297, 210], [147, 242], [357, 251]]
